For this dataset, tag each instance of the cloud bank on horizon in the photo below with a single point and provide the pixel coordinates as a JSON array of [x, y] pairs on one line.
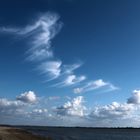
[[41, 33], [28, 108]]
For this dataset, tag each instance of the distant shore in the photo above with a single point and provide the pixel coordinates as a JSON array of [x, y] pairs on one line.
[[11, 133]]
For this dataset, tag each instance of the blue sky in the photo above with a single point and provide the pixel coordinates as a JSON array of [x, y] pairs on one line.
[[70, 59]]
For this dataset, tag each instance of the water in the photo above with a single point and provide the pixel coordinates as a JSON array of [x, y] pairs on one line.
[[62, 133]]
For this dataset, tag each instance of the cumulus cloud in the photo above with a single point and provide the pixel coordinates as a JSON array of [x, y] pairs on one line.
[[72, 108], [39, 111], [28, 97], [11, 110], [73, 112], [115, 115], [113, 111], [112, 115], [135, 98], [93, 85], [21, 109], [8, 104]]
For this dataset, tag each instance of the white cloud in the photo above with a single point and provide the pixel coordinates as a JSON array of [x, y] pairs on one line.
[[70, 80], [39, 111], [112, 115], [10, 110], [43, 30], [8, 104], [135, 98], [52, 68], [73, 108], [55, 69], [68, 69], [28, 97], [78, 90], [40, 33], [47, 27], [73, 79], [40, 54], [72, 113], [93, 85], [113, 111]]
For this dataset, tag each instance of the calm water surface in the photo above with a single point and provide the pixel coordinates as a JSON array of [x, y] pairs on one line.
[[62, 133]]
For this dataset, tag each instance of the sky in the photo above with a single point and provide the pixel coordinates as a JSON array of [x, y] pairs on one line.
[[70, 63]]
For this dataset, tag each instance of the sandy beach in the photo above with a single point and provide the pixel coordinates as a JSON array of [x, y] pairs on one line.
[[10, 133]]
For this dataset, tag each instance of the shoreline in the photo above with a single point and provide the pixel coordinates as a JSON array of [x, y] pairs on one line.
[[12, 133]]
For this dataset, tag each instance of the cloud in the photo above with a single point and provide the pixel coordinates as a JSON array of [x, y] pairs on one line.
[[68, 69], [51, 68], [111, 115], [47, 27], [40, 34], [73, 79], [43, 30], [135, 98], [70, 80], [55, 69], [11, 110], [5, 103], [73, 108], [93, 85], [114, 115], [28, 97], [113, 111], [39, 111], [73, 112], [19, 110], [8, 30]]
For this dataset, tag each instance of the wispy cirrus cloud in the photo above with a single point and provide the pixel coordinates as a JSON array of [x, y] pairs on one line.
[[55, 69], [40, 33], [51, 68], [70, 80], [68, 69], [47, 27], [93, 85]]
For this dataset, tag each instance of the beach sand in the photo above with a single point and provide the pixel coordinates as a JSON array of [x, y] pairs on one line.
[[10, 133]]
